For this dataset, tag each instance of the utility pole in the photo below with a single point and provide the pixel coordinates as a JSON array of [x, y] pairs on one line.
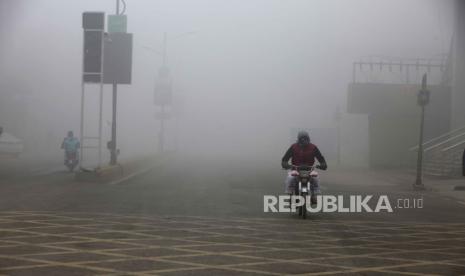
[[423, 100], [113, 154], [163, 95], [161, 138], [164, 49]]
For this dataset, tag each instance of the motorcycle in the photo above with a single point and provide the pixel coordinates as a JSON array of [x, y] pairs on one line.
[[71, 160], [304, 174]]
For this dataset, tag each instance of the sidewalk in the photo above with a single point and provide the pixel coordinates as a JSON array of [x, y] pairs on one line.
[[403, 179], [446, 187]]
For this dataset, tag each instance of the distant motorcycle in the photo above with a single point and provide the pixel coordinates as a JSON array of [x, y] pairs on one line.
[[71, 160], [304, 174]]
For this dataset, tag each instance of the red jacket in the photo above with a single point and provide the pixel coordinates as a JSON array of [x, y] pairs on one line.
[[303, 155]]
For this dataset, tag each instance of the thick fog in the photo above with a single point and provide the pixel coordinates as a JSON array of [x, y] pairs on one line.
[[245, 73]]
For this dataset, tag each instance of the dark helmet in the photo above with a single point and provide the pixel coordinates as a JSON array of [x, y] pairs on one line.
[[303, 138], [70, 134]]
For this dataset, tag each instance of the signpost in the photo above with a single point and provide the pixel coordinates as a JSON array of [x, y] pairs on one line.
[[93, 24], [107, 59], [117, 66]]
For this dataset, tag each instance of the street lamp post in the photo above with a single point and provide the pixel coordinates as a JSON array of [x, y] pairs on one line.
[[423, 100]]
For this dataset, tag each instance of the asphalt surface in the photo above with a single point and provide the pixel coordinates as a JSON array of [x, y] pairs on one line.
[[205, 217]]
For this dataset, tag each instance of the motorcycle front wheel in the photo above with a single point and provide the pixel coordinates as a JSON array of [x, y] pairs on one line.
[[304, 207]]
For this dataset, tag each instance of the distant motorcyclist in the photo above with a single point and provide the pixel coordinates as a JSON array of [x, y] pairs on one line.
[[303, 153], [71, 146]]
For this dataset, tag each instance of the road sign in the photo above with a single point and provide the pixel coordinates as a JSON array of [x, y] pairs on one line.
[[93, 24], [423, 94], [117, 23], [93, 20], [423, 97], [117, 60]]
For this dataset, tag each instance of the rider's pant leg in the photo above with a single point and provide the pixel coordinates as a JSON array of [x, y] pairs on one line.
[[315, 185]]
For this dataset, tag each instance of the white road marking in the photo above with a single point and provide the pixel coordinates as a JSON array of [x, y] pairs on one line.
[[129, 176]]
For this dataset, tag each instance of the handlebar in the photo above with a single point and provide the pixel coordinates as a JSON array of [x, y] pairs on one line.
[[303, 168]]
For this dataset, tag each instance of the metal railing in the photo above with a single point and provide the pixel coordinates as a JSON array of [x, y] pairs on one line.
[[430, 144], [446, 142], [459, 144]]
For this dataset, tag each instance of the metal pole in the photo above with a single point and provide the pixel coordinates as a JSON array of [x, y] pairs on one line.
[[161, 138], [418, 182], [176, 138], [339, 142], [100, 123], [164, 49], [113, 155], [423, 99], [81, 132], [162, 129]]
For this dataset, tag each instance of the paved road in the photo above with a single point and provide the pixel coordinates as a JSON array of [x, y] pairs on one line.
[[205, 217]]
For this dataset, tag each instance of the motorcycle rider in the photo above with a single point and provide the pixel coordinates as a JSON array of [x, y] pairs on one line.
[[71, 146], [303, 153]]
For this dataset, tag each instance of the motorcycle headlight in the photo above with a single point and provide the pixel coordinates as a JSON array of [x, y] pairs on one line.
[[304, 190]]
